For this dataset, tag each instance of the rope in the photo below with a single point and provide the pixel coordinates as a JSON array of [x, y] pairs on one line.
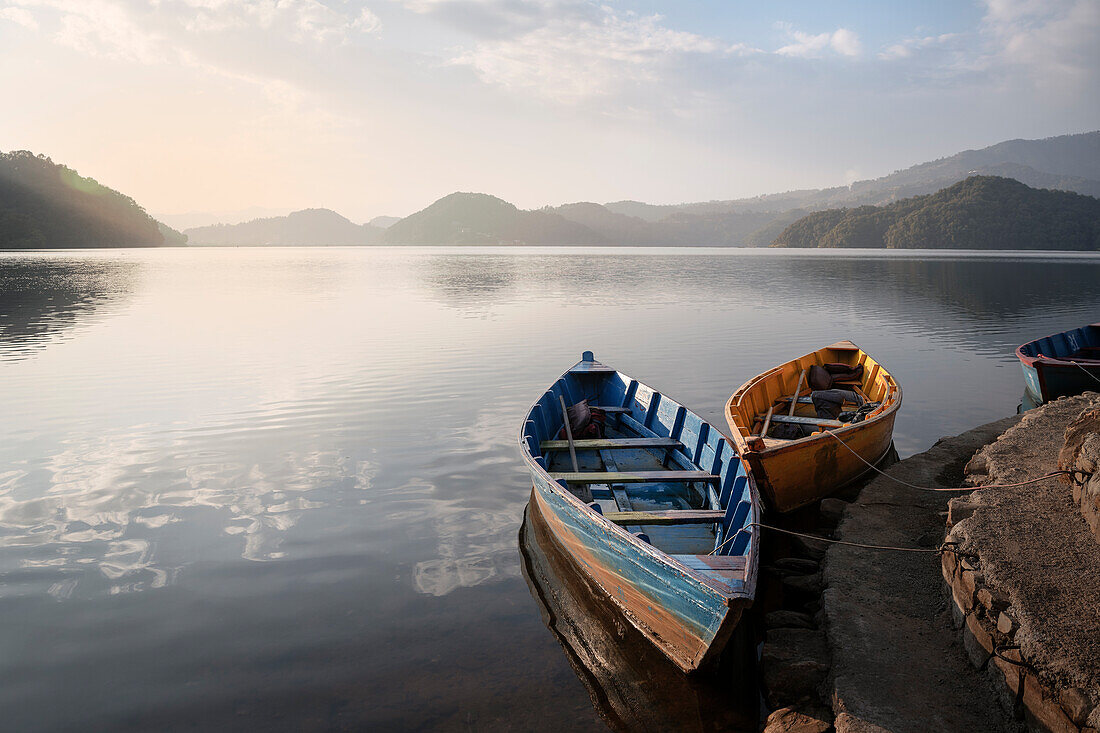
[[945, 547], [870, 465], [1086, 371]]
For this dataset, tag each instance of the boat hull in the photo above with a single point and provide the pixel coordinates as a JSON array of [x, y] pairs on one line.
[[1053, 366], [794, 473], [685, 618], [685, 568], [808, 470]]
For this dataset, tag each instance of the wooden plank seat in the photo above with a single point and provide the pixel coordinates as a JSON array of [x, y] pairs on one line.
[[632, 477], [801, 400], [610, 443], [671, 516], [610, 410], [799, 420]]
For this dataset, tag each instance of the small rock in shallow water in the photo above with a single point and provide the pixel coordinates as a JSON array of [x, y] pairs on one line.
[[804, 583], [832, 508], [788, 620], [789, 720], [800, 564]]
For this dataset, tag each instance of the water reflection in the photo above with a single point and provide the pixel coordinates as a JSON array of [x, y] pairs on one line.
[[632, 685], [301, 463], [42, 297]]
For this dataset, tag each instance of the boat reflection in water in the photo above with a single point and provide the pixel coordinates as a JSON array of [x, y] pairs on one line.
[[633, 686]]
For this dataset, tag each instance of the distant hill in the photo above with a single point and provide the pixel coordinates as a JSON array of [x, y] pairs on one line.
[[981, 212], [384, 222], [1066, 162], [478, 218], [306, 227], [47, 205]]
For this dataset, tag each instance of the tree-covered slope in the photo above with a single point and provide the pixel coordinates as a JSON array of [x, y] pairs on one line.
[[46, 205], [478, 218], [982, 212], [306, 227]]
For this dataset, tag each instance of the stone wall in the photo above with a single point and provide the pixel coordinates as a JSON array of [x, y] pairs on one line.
[[988, 626], [1082, 453]]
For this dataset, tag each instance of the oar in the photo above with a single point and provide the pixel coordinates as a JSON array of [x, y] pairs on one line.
[[767, 422], [569, 434], [797, 391]]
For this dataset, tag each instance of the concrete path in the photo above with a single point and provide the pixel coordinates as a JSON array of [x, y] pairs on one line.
[[897, 663]]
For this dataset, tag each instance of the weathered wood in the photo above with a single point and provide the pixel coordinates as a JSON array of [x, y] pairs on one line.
[[610, 443], [622, 501], [797, 392], [569, 434], [632, 477], [609, 409], [671, 516], [767, 422], [799, 420], [801, 400]]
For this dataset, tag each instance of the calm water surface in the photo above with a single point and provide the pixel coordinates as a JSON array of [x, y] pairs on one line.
[[277, 488]]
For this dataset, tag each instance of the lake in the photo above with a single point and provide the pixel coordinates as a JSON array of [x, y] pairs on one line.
[[278, 489]]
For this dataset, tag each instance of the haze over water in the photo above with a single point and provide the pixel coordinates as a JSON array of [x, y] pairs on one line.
[[278, 488]]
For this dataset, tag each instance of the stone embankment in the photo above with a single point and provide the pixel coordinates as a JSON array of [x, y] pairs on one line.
[[863, 640], [1026, 589]]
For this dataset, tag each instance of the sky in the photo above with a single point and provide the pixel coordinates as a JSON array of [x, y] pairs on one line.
[[380, 107]]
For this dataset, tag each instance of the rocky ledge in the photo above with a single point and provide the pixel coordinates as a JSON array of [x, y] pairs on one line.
[[1025, 587]]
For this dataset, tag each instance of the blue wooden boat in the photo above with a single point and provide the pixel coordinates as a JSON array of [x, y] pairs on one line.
[[657, 511], [1062, 365]]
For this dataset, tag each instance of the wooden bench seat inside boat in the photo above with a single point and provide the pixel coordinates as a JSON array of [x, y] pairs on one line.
[[632, 477], [805, 420], [673, 516], [610, 443]]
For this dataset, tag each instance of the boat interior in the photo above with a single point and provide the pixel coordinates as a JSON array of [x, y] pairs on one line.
[[781, 405], [653, 467], [1078, 345]]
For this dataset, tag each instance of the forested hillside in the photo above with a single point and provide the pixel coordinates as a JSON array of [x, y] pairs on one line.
[[982, 212], [46, 205]]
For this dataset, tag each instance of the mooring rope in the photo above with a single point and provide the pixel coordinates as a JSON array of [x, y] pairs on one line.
[[1086, 371], [1044, 477], [944, 547]]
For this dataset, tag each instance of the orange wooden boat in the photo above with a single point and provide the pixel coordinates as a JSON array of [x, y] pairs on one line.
[[792, 473]]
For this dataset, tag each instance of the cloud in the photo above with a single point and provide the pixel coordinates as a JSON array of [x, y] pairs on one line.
[[908, 47], [19, 16], [146, 32], [577, 58], [1054, 41], [805, 45]]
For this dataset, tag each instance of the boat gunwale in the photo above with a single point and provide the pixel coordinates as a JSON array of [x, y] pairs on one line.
[[731, 598], [1046, 359]]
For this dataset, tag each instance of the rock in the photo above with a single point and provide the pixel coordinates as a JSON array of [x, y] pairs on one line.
[[978, 465], [810, 584], [788, 620], [1005, 624], [1087, 495], [799, 564], [789, 682], [789, 720], [1077, 704], [809, 548], [958, 509], [992, 600], [1084, 425], [977, 642], [832, 508], [847, 723]]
